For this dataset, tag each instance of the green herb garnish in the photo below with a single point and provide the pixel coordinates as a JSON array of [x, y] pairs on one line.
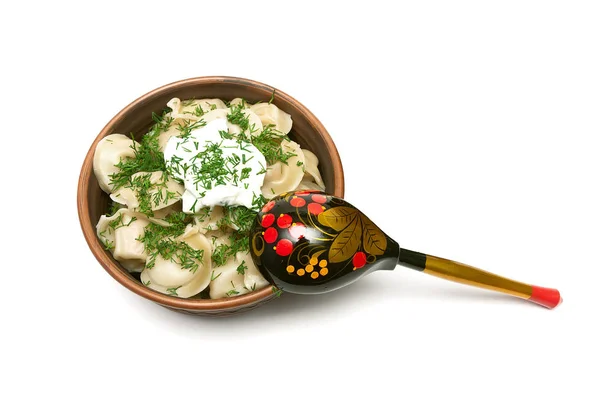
[[268, 142], [237, 117], [162, 240], [173, 291], [241, 269]]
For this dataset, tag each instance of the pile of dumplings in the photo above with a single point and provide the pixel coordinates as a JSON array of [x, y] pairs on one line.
[[204, 233]]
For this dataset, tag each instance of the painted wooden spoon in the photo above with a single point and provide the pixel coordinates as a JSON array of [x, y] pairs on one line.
[[309, 242]]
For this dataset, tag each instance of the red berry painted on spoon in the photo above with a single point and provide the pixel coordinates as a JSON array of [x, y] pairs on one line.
[[315, 208], [270, 235], [284, 248], [297, 202], [359, 260], [319, 198], [267, 220], [267, 207], [284, 221]]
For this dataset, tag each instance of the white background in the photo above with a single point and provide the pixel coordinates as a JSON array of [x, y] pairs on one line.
[[467, 129]]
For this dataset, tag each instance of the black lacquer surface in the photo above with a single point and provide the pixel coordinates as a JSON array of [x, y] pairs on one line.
[[309, 242]]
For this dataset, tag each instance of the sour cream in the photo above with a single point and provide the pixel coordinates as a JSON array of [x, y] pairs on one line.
[[215, 170]]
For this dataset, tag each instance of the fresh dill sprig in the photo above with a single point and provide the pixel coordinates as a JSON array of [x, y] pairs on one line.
[[237, 117], [118, 222], [114, 207], [162, 240], [268, 142], [188, 126], [173, 291], [212, 275], [239, 243], [239, 216], [272, 97], [147, 154], [241, 269]]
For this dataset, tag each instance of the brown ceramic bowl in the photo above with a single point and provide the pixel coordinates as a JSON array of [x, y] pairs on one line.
[[92, 202]]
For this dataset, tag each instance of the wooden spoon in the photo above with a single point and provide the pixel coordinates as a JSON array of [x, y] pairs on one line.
[[309, 242]]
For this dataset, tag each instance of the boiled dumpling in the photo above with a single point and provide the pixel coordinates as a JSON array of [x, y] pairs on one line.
[[174, 129], [237, 101], [167, 276], [175, 105], [110, 151], [119, 233], [205, 104], [161, 191], [193, 109], [253, 279], [308, 185], [255, 126], [237, 276], [159, 216], [206, 220], [311, 168], [270, 114], [282, 177]]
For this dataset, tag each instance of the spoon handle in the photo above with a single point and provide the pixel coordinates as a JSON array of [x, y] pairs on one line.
[[462, 273]]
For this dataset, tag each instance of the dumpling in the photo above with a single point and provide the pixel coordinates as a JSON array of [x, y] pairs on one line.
[[205, 104], [206, 220], [159, 190], [237, 101], [254, 124], [215, 114], [253, 279], [308, 185], [173, 130], [270, 114], [119, 233], [110, 151], [237, 276], [311, 168], [160, 215], [193, 109], [167, 276], [281, 177]]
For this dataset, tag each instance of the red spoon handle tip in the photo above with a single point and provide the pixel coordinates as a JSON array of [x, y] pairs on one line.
[[546, 297]]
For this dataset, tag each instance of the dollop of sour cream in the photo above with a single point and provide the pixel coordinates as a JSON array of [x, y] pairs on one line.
[[215, 169]]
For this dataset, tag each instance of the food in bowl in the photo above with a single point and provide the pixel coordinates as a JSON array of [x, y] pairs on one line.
[[186, 195]]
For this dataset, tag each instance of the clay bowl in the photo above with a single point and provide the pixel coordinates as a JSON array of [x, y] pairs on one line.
[[92, 202]]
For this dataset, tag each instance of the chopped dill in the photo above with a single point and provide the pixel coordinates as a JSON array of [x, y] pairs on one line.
[[237, 117], [213, 277], [162, 240], [173, 291], [241, 269], [268, 142], [272, 97]]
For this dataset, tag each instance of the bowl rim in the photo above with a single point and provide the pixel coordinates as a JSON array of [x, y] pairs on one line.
[[125, 279]]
